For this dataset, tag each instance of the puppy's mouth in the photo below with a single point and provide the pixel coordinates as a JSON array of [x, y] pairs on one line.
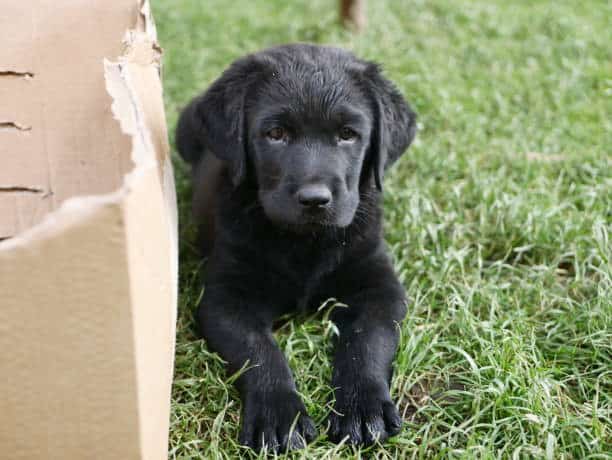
[[316, 215], [310, 228], [313, 220], [307, 221]]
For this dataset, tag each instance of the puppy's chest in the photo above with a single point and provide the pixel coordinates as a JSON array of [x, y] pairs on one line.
[[300, 271]]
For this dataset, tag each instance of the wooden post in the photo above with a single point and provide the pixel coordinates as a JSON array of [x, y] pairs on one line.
[[353, 13]]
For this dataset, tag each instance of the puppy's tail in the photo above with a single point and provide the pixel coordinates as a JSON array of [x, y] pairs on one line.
[[189, 132]]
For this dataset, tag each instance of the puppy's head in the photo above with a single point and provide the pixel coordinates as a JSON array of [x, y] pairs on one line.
[[311, 127]]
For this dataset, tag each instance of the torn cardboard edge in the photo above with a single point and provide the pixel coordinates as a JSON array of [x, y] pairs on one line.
[[139, 50], [147, 23]]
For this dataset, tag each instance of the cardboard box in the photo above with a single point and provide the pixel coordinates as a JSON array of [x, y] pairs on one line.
[[88, 257]]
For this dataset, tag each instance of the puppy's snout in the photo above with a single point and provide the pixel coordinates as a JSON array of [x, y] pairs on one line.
[[315, 195]]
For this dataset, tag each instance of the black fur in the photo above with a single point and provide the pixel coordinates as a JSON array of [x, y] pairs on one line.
[[271, 252]]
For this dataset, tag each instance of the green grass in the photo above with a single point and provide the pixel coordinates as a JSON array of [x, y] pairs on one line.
[[499, 219]]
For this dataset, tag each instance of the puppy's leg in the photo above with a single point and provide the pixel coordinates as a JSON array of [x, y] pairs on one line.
[[364, 352], [270, 403]]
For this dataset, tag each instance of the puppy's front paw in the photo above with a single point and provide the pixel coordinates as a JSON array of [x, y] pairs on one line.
[[363, 413], [269, 419]]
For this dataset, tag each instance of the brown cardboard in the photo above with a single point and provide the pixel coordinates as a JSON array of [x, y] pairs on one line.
[[88, 250]]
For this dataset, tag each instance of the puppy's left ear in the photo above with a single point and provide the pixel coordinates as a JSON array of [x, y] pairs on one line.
[[394, 122]]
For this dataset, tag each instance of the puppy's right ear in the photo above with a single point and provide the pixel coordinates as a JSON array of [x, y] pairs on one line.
[[215, 121]]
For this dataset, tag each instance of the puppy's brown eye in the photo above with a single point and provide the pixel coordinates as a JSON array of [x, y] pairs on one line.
[[347, 134], [276, 134]]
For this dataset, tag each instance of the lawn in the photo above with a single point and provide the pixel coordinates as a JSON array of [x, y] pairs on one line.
[[499, 218]]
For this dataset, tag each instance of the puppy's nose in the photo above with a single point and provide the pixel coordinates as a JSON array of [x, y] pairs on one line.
[[314, 195]]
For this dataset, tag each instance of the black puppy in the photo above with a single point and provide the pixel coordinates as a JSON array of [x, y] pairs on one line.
[[288, 149]]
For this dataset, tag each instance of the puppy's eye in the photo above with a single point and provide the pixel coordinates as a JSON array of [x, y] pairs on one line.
[[276, 134], [347, 134]]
